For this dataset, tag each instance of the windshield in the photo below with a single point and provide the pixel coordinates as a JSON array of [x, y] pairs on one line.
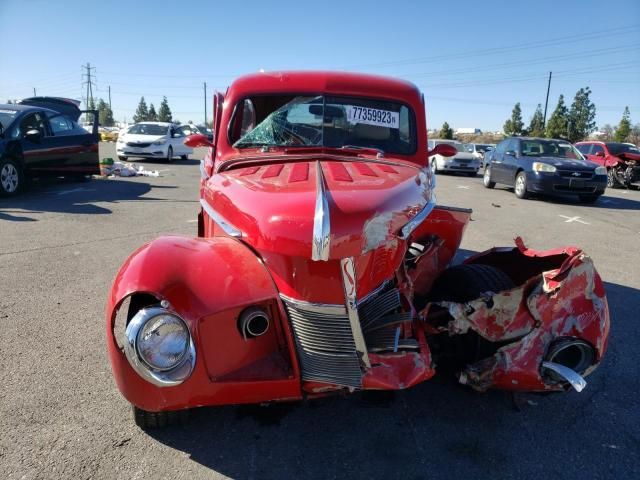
[[483, 148], [550, 148], [204, 129], [6, 118], [618, 148], [148, 129], [334, 122]]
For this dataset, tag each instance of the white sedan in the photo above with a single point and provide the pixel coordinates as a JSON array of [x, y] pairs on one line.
[[463, 161], [153, 140]]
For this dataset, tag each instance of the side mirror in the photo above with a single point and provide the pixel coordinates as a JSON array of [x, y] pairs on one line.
[[33, 135], [510, 152], [444, 149], [197, 140], [599, 154]]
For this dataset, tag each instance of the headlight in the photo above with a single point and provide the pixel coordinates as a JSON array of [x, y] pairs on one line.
[[159, 347], [121, 139], [162, 141], [163, 341], [601, 170], [543, 167]]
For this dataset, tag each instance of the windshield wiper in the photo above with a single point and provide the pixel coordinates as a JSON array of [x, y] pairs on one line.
[[379, 151]]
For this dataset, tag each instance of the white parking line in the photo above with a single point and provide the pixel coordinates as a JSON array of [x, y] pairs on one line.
[[192, 221], [463, 186], [74, 190], [573, 219]]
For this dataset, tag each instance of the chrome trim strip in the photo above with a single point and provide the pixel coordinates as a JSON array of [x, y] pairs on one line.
[[203, 172], [573, 378], [412, 224], [347, 267], [166, 378], [321, 222], [323, 308], [220, 220]]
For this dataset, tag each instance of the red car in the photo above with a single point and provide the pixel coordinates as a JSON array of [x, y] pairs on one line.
[[621, 159], [322, 265]]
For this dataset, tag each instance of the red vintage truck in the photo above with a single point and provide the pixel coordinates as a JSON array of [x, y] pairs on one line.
[[322, 264]]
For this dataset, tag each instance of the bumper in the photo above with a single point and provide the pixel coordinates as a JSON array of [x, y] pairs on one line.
[[553, 183], [156, 151], [457, 166]]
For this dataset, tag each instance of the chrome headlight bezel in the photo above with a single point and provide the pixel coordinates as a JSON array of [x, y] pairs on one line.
[[174, 375]]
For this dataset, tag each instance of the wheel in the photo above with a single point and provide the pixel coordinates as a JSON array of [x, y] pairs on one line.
[[11, 177], [170, 154], [463, 283], [147, 420], [612, 181], [588, 198], [184, 158], [124, 159], [486, 178], [520, 186]]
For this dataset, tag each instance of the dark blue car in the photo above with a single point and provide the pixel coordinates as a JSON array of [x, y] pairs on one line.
[[40, 136], [546, 166]]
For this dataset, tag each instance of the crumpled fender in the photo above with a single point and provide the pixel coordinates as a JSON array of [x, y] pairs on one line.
[[568, 301], [198, 277]]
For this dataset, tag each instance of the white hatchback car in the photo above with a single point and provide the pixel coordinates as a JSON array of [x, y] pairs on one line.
[[463, 161], [153, 140]]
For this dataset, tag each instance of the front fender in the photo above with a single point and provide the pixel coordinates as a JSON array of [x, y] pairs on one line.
[[208, 282]]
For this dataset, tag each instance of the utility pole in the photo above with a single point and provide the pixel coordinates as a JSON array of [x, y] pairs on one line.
[[109, 97], [34, 92], [546, 102], [205, 103], [89, 80]]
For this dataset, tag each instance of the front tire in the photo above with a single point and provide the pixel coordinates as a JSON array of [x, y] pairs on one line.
[[520, 187], [486, 178], [11, 177], [150, 420], [170, 155], [123, 159], [612, 180]]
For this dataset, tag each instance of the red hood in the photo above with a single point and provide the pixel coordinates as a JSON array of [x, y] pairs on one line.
[[274, 205], [629, 156]]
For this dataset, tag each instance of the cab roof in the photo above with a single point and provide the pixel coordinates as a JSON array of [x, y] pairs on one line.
[[342, 83]]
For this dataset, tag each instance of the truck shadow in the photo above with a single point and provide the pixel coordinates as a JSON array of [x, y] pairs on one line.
[[64, 196], [438, 429], [606, 202]]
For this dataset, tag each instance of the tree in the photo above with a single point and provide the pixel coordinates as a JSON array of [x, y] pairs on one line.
[[164, 114], [105, 115], [608, 133], [582, 116], [152, 116], [634, 136], [624, 127], [514, 125], [536, 125], [9, 102], [446, 132], [142, 113], [557, 124]]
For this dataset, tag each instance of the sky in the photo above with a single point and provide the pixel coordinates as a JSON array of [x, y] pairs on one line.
[[473, 60]]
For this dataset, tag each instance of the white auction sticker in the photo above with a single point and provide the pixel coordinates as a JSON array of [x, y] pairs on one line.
[[373, 116], [10, 112]]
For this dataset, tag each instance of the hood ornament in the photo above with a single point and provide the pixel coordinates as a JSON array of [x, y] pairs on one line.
[[321, 222]]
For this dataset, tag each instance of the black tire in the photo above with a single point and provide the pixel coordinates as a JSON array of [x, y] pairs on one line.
[[170, 154], [11, 177], [184, 158], [520, 186], [463, 283], [486, 178], [124, 159], [150, 420], [588, 198]]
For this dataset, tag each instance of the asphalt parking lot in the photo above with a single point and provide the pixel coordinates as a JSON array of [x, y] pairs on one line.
[[61, 244]]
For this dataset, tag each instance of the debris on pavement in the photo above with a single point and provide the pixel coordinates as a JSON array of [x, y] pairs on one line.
[[109, 168]]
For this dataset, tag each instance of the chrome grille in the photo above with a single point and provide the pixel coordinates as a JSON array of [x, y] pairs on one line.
[[324, 339], [325, 343]]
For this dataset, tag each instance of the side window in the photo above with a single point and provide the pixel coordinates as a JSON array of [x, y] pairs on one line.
[[502, 146], [178, 132], [61, 125], [597, 148], [584, 149], [512, 145], [34, 121]]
